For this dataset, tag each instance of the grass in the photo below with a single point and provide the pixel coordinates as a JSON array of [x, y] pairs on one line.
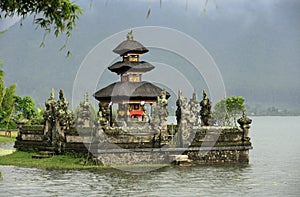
[[25, 159], [7, 139], [66, 162]]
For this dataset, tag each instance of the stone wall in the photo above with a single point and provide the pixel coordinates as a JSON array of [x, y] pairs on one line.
[[197, 155], [133, 158], [115, 147], [220, 137], [31, 138], [138, 143], [233, 155]]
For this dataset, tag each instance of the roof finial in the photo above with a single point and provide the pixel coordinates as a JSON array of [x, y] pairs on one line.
[[130, 35], [86, 97], [52, 94]]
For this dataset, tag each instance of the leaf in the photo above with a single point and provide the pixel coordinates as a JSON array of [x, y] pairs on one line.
[[54, 15], [69, 54], [42, 45], [2, 32], [148, 13], [63, 47], [205, 6], [56, 32]]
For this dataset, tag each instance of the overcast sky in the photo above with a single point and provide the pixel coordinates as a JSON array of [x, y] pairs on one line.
[[255, 44]]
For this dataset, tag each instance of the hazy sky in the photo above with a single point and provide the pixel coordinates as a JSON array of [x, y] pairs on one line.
[[255, 44]]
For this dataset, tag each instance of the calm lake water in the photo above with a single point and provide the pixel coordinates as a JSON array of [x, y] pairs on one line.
[[274, 170]]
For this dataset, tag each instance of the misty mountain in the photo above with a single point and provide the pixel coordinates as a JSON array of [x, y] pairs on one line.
[[256, 46]]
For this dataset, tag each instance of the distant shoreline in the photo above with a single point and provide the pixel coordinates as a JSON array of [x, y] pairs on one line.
[[274, 115]]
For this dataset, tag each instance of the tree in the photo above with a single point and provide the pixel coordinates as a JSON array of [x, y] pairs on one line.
[[7, 102], [13, 107], [59, 16], [25, 108], [235, 107], [220, 114], [227, 110]]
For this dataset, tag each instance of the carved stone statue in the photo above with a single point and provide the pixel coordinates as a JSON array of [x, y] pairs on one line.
[[245, 122], [194, 111], [49, 116], [160, 114], [178, 111], [64, 115], [83, 113], [163, 104], [57, 119], [187, 117], [104, 113], [205, 111]]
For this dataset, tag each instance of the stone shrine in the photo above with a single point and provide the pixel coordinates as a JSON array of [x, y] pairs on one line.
[[131, 127]]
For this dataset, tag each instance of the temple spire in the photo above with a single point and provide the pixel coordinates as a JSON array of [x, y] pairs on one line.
[[52, 94], [130, 35]]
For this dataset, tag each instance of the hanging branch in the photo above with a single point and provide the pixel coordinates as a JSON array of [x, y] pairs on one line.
[[149, 9], [57, 16]]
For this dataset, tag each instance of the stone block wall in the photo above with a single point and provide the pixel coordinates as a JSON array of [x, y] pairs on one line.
[[133, 158], [31, 138], [222, 136], [113, 146], [238, 155]]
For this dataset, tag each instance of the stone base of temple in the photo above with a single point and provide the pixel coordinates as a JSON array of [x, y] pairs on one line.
[[209, 145]]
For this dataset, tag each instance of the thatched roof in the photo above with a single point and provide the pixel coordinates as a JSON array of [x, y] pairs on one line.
[[130, 46], [122, 67], [129, 90]]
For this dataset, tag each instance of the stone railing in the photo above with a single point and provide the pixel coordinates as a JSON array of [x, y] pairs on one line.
[[209, 145]]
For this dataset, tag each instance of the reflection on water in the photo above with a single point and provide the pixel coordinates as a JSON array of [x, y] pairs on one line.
[[273, 171], [166, 181]]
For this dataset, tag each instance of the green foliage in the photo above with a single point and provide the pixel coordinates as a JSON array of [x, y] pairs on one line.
[[1, 71], [220, 114], [13, 107], [2, 87], [25, 110], [58, 16], [235, 107], [227, 110], [38, 119], [20, 158], [7, 102], [25, 107]]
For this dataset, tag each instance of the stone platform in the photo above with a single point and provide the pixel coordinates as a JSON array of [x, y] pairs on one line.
[[209, 145]]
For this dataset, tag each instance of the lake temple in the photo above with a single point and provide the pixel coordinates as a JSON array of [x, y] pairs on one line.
[[131, 125], [133, 96]]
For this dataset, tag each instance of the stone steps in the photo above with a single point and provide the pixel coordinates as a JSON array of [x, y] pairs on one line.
[[43, 154], [181, 160]]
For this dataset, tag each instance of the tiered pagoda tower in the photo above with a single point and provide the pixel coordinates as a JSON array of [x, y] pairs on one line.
[[133, 96]]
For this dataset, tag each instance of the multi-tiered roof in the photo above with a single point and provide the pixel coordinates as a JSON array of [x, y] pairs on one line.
[[131, 87]]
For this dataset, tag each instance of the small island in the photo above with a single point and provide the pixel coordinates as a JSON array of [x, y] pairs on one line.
[[131, 127]]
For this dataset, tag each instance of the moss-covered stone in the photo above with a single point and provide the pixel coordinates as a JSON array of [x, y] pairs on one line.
[[32, 128], [224, 144]]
